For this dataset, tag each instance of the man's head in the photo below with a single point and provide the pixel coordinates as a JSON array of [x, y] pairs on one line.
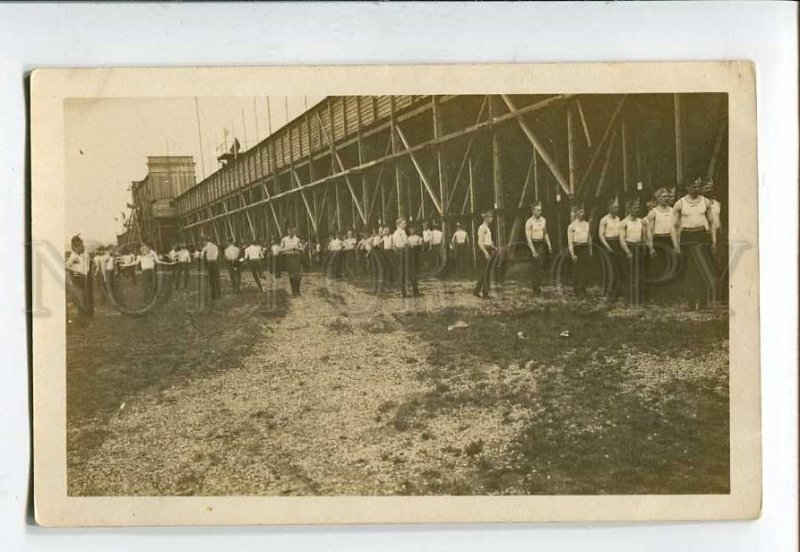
[[290, 230], [401, 222], [488, 216], [613, 207], [694, 187], [76, 243], [580, 213], [633, 208], [536, 209]]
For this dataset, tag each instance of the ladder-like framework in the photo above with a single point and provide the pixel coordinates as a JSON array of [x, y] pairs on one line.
[[360, 161]]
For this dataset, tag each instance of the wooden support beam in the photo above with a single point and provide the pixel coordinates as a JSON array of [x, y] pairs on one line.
[[497, 186], [393, 121], [603, 140], [571, 152], [437, 132], [712, 164], [473, 231], [624, 157], [606, 162], [548, 160], [521, 203], [311, 215], [584, 124], [416, 163], [679, 176]]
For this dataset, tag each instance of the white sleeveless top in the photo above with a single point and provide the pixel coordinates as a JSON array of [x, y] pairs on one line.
[[633, 230], [534, 228], [662, 221], [580, 231], [693, 212]]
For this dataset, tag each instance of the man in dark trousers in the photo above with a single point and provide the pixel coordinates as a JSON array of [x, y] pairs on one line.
[[486, 246], [232, 260], [210, 255]]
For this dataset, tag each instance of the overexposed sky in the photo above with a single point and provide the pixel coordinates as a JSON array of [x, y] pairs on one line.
[[107, 142]]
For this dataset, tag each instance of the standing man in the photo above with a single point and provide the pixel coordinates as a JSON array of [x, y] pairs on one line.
[[210, 254], [275, 259], [80, 270], [438, 252], [489, 251], [460, 245], [608, 232], [697, 241], [579, 241], [633, 233], [184, 264], [109, 269], [414, 248], [291, 249], [401, 252], [389, 253], [426, 246], [252, 259], [538, 238], [662, 239], [349, 253], [335, 255], [232, 260]]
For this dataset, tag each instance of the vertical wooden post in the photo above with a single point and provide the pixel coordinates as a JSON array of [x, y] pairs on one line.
[[497, 182], [364, 200], [338, 208], [679, 177], [535, 176], [443, 187], [473, 230], [393, 124], [624, 157], [570, 152]]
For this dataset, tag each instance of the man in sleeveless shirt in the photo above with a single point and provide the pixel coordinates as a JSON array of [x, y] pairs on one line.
[[633, 241], [662, 238], [696, 236], [460, 244], [489, 251], [579, 242], [291, 261], [608, 233], [538, 238]]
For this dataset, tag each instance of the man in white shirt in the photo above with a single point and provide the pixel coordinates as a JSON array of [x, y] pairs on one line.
[[184, 259], [291, 248], [489, 251], [695, 227], [538, 239], [252, 259], [232, 260], [388, 254], [209, 254], [611, 252], [438, 252], [579, 241], [401, 252], [349, 252], [79, 267], [460, 245]]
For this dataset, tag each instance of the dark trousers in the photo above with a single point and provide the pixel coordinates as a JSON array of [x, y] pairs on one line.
[[235, 275], [390, 265], [461, 256], [700, 275], [212, 271], [613, 275], [181, 272], [110, 282], [148, 285], [254, 269], [83, 293], [483, 283], [537, 268], [581, 269], [409, 258], [635, 275], [663, 267]]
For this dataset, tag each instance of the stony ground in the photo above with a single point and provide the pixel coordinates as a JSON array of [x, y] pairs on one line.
[[342, 392]]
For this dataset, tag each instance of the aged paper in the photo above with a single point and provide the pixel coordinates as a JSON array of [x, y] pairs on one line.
[[75, 486]]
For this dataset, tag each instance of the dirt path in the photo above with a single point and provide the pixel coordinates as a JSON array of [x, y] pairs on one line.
[[312, 410]]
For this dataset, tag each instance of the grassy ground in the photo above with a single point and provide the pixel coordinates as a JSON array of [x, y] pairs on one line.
[[339, 392]]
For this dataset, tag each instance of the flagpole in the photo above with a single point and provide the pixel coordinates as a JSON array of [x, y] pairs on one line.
[[255, 114], [286, 107], [244, 130], [269, 117], [200, 138]]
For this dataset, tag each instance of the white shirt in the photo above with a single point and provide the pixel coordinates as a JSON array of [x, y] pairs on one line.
[[376, 241], [534, 228], [291, 243], [460, 237], [210, 251], [108, 261], [692, 212], [426, 236], [147, 262], [366, 244], [388, 243], [414, 240], [196, 254], [172, 255], [484, 235], [609, 227], [335, 245], [276, 250], [580, 231], [662, 221], [184, 256], [399, 239], [633, 229], [436, 237], [253, 252], [78, 263], [231, 252], [349, 244]]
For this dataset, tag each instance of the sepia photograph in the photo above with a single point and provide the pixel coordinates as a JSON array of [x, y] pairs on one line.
[[512, 294]]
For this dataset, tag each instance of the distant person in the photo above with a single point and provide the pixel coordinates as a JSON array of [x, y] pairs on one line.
[[349, 253], [662, 237], [291, 248], [633, 240], [184, 259], [438, 252], [487, 248], [539, 244], [696, 232], [209, 254], [275, 259], [147, 260], [80, 271], [252, 259], [415, 247], [608, 233], [387, 250], [579, 241], [232, 261], [335, 257], [460, 244]]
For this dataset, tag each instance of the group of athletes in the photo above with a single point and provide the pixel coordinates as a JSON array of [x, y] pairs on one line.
[[674, 239]]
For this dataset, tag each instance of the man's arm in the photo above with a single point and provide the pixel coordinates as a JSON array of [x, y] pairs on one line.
[[676, 226], [547, 238], [623, 233], [712, 224], [601, 230], [529, 239], [571, 242]]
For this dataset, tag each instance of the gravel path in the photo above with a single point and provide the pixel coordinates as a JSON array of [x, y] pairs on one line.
[[312, 410]]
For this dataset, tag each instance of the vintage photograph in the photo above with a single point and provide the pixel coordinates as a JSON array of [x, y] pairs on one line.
[[526, 293], [397, 295]]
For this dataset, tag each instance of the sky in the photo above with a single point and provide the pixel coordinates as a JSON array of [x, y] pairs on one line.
[[107, 141]]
